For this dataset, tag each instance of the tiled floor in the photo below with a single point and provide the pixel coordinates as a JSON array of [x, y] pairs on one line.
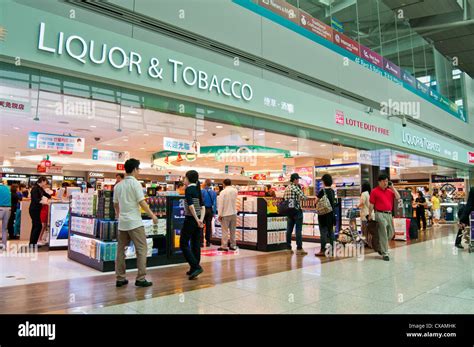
[[18, 269], [426, 278]]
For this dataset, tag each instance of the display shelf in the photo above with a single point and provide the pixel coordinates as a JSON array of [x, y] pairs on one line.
[[161, 242], [85, 235], [108, 266], [82, 215]]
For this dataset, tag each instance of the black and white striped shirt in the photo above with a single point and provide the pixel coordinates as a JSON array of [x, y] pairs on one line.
[[192, 197]]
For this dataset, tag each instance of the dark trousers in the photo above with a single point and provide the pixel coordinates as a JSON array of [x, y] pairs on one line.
[[190, 242], [459, 236], [11, 224], [36, 226], [208, 222], [326, 229], [296, 222], [420, 217]]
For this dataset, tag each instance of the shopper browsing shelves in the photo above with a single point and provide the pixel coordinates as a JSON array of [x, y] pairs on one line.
[[436, 208], [227, 208], [294, 194], [128, 198], [365, 206], [209, 198], [381, 200], [420, 210], [327, 220], [190, 239]]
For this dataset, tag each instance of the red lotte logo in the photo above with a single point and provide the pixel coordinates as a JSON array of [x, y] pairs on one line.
[[340, 117], [471, 157]]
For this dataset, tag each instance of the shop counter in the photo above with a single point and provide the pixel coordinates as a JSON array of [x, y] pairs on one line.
[[449, 212], [25, 227]]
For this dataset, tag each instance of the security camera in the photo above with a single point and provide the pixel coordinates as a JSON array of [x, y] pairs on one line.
[[404, 121], [247, 139], [98, 138], [369, 110], [214, 134]]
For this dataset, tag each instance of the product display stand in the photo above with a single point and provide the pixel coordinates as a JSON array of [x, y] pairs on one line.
[[259, 226], [93, 233]]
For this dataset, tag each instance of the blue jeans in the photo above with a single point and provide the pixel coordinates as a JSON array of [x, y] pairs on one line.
[[296, 220]]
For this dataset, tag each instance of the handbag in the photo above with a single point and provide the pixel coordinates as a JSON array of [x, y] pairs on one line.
[[324, 205], [287, 208]]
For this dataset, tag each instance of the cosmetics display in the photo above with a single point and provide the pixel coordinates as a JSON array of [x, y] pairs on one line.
[[259, 226]]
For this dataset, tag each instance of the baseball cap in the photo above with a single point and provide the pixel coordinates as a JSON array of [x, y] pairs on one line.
[[294, 176]]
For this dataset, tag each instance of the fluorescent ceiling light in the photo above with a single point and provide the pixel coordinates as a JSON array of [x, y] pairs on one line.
[[219, 126]]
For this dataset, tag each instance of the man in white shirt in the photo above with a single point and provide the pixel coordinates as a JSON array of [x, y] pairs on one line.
[[227, 211], [128, 198]]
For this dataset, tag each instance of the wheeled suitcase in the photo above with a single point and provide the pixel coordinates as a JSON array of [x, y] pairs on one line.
[[372, 238], [413, 229]]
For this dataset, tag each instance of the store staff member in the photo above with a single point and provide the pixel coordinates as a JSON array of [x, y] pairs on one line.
[[5, 210], [37, 194], [381, 199], [209, 197]]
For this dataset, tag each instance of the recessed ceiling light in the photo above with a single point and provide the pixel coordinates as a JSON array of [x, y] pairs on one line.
[[132, 111], [323, 145], [219, 126], [93, 126], [16, 128], [278, 142], [294, 140], [146, 134], [142, 148]]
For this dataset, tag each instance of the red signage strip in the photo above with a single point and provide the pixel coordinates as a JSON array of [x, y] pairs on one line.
[[282, 8], [345, 42], [316, 26]]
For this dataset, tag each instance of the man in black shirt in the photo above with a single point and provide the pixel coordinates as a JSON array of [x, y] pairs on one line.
[[420, 210]]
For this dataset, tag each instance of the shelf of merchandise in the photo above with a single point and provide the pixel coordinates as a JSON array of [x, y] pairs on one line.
[[262, 228], [164, 256]]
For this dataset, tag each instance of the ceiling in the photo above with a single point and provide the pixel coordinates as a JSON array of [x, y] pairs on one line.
[[141, 134], [443, 23]]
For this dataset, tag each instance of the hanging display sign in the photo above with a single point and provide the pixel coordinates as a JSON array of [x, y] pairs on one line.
[[100, 154], [183, 146], [55, 142], [97, 174], [120, 167], [288, 169], [444, 179], [337, 25]]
